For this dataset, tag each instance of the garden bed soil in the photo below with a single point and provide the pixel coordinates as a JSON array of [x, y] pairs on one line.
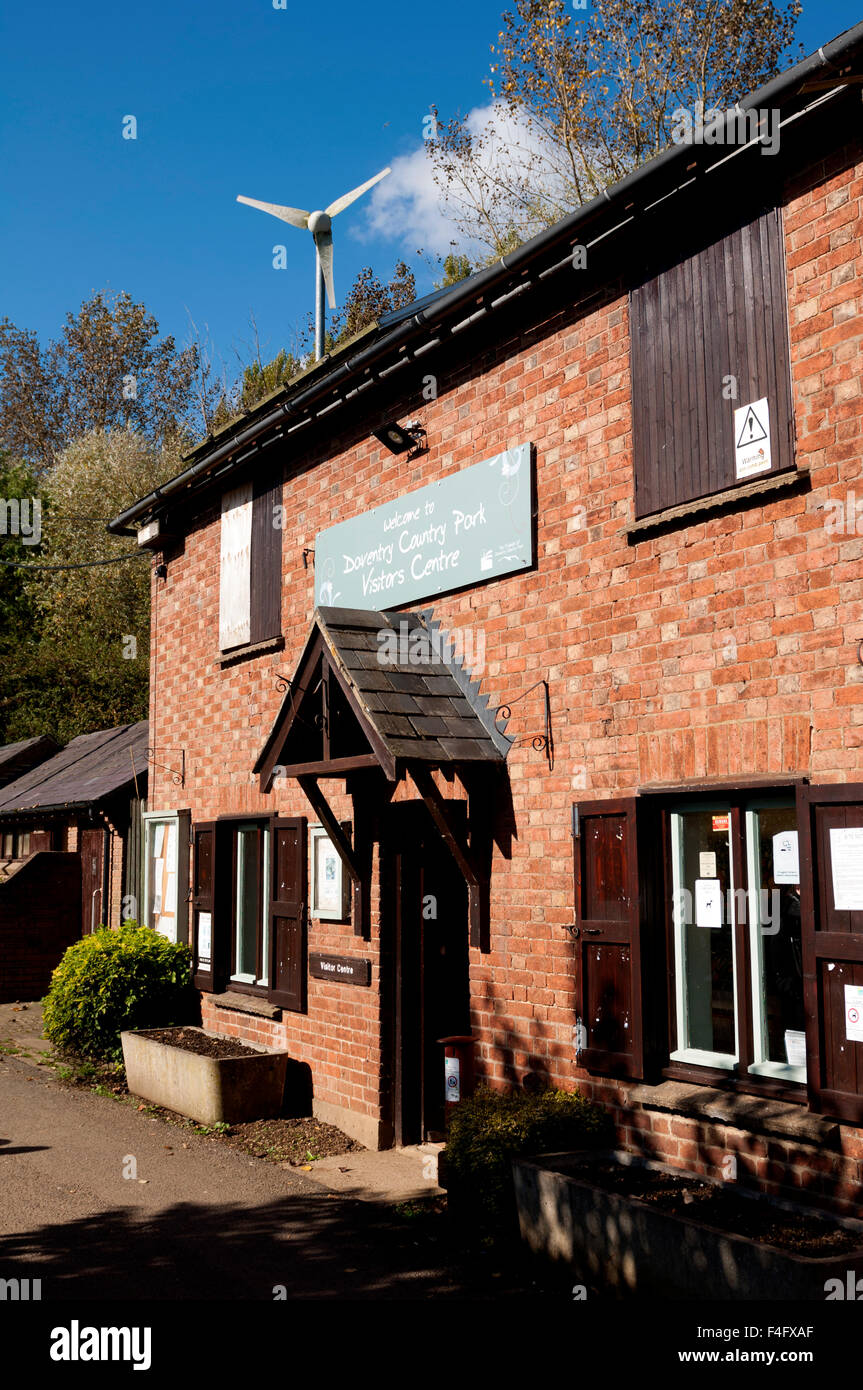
[[203, 1044], [723, 1209], [294, 1141]]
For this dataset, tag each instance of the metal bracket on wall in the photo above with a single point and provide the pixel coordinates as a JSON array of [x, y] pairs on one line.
[[177, 777], [543, 743]]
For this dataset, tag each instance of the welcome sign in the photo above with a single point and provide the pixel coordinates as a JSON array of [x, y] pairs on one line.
[[470, 527]]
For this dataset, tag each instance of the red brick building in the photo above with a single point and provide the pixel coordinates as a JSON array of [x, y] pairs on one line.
[[650, 885]]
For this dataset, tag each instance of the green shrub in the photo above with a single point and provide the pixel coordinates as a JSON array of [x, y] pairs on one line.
[[490, 1128], [113, 980]]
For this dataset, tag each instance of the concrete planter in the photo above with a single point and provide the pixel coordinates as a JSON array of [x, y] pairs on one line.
[[629, 1247], [207, 1089]]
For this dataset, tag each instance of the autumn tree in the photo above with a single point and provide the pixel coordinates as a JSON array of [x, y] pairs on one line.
[[109, 369], [82, 660], [580, 100], [368, 300]]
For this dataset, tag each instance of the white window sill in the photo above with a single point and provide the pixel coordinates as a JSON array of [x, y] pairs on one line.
[[781, 1071], [696, 1058]]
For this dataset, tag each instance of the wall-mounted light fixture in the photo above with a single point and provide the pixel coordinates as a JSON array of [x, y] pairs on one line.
[[402, 439]]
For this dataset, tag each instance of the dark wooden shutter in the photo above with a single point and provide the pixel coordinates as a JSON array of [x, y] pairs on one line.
[[719, 313], [203, 899], [609, 986], [288, 913], [832, 953], [266, 563]]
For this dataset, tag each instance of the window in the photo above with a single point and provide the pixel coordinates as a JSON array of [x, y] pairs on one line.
[[250, 907], [727, 930], [250, 576], [721, 940], [250, 854], [15, 844], [709, 336], [166, 873]]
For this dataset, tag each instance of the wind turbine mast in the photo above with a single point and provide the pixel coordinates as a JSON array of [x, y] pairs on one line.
[[320, 225]]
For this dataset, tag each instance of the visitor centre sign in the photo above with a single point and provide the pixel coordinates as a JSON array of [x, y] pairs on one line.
[[470, 527]]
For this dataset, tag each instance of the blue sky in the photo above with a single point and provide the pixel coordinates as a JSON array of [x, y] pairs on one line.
[[293, 105]]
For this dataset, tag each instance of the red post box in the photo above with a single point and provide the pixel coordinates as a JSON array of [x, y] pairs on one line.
[[458, 1068]]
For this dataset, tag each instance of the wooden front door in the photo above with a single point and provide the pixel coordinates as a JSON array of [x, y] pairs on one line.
[[430, 993], [91, 848]]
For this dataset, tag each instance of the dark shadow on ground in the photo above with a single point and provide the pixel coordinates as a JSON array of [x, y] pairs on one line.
[[314, 1246]]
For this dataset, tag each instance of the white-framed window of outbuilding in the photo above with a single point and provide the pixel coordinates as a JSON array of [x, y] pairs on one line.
[[166, 873]]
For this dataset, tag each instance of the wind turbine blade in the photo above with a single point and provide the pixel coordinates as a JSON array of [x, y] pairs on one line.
[[347, 198], [324, 243], [295, 216]]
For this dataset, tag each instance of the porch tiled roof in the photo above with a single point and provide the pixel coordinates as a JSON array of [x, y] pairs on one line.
[[406, 677]]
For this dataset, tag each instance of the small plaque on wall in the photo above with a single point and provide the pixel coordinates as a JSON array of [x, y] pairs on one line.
[[346, 968]]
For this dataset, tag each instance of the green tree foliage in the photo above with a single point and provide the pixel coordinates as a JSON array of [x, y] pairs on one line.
[[368, 300], [109, 369], [259, 379], [83, 661], [581, 99], [111, 981], [455, 268]]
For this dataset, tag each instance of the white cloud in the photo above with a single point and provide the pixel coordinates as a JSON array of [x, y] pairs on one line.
[[408, 207]]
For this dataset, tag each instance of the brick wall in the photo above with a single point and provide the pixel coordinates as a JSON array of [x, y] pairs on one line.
[[633, 638]]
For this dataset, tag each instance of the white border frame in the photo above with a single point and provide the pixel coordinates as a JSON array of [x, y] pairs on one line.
[[697, 1056], [182, 820], [781, 1071], [318, 833]]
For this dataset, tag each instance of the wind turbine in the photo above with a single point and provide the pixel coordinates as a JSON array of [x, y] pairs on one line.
[[320, 226]]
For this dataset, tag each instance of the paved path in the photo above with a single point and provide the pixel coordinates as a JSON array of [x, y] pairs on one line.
[[199, 1220]]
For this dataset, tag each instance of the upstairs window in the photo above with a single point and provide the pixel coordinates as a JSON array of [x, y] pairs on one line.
[[250, 569], [709, 339]]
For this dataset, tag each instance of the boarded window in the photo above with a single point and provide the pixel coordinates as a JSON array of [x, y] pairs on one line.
[[250, 565], [265, 619], [235, 569], [709, 335]]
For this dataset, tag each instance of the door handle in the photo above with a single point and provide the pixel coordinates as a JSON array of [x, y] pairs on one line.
[[593, 931]]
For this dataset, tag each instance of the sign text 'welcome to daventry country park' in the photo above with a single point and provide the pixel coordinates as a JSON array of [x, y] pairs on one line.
[[473, 526]]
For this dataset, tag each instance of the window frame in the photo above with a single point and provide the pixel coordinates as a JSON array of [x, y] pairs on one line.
[[698, 1056], [150, 820], [683, 346], [258, 983], [261, 573], [220, 904], [772, 1079], [18, 836]]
